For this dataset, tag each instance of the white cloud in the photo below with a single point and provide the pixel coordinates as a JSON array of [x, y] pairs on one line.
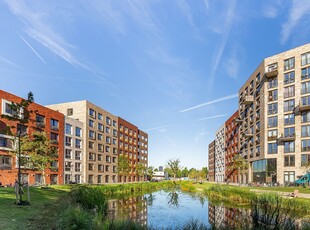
[[210, 102], [299, 12]]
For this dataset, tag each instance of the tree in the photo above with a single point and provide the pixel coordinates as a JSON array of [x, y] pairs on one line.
[[123, 166], [174, 166], [40, 152], [239, 163], [202, 175], [193, 174], [141, 170], [150, 172], [184, 172], [205, 169]]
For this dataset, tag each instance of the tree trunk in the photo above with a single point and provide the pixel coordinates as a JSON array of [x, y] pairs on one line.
[[43, 176]]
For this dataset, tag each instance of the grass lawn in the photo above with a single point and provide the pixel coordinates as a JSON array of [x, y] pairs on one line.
[[38, 215]]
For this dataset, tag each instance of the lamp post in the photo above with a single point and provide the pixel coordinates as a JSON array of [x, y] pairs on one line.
[[19, 169]]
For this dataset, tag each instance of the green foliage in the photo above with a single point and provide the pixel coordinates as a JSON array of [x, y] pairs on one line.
[[184, 172], [141, 170], [174, 166], [150, 172], [75, 218], [123, 166], [90, 198], [122, 225]]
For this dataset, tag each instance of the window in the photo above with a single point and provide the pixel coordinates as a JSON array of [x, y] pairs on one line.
[[114, 141], [100, 116], [289, 177], [100, 147], [305, 59], [68, 141], [273, 95], [90, 179], [91, 123], [108, 120], [305, 131], [272, 134], [100, 136], [54, 124], [68, 129], [289, 64], [305, 73], [114, 132], [108, 140], [289, 91], [69, 112], [289, 146], [258, 78], [5, 163], [92, 113], [99, 179], [77, 179], [305, 159], [289, 77], [77, 155], [305, 87], [114, 123], [108, 159], [272, 121], [273, 108], [272, 83], [7, 109], [289, 105], [78, 143], [40, 121], [54, 138], [68, 166], [78, 132], [289, 132], [289, 119], [68, 154], [272, 148], [92, 157], [305, 117], [91, 167], [107, 129], [77, 167], [99, 157], [92, 134], [107, 149], [305, 145], [305, 101], [289, 161], [107, 168], [22, 128], [100, 167], [100, 127]]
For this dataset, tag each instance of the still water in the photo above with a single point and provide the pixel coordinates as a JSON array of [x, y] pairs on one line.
[[173, 209]]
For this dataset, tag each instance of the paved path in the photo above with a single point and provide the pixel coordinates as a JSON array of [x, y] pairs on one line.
[[284, 194]]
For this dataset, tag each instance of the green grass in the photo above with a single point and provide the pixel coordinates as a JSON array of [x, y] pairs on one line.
[[43, 201]]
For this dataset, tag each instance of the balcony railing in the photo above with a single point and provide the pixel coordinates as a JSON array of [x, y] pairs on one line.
[[272, 138], [40, 124], [248, 99], [287, 137], [272, 71], [304, 105]]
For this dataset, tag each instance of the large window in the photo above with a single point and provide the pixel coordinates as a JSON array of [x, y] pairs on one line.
[[289, 161], [289, 105], [289, 119], [289, 63], [305, 117], [91, 123], [272, 148], [272, 134], [289, 177], [273, 108], [305, 73], [305, 131], [54, 124], [78, 143], [305, 101], [68, 141], [78, 132], [289, 132], [289, 77], [7, 109], [305, 145], [272, 121], [305, 59], [272, 83], [289, 146], [289, 91], [92, 113], [5, 162], [305, 87], [68, 154], [92, 134], [40, 120], [68, 129], [305, 159]]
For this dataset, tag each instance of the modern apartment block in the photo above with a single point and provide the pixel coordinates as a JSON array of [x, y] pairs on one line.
[[220, 154], [74, 155], [143, 147], [100, 140], [274, 108], [232, 148], [40, 119], [211, 164]]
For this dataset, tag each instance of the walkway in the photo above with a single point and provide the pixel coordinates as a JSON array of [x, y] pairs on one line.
[[284, 194]]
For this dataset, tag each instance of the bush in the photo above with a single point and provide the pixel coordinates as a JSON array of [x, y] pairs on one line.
[[75, 218]]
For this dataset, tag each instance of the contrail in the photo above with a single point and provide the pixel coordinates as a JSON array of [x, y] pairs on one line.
[[210, 102], [36, 53]]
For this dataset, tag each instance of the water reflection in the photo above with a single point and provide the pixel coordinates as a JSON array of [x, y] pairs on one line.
[[173, 199]]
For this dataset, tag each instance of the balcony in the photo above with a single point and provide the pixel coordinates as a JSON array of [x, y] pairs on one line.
[[248, 134], [238, 120], [287, 137], [6, 142], [272, 71], [304, 106], [272, 138], [248, 99], [55, 128]]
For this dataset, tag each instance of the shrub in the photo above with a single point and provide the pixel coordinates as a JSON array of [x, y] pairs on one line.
[[75, 218]]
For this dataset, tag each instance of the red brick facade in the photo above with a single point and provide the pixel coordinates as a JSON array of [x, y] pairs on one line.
[[231, 150], [49, 121]]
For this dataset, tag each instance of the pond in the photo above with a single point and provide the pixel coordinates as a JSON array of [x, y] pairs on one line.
[[174, 209]]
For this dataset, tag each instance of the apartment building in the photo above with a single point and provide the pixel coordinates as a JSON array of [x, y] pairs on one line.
[[74, 157], [220, 154], [232, 148], [211, 163], [274, 108], [143, 146], [100, 140], [40, 119]]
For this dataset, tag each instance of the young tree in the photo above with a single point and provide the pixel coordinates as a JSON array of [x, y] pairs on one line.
[[141, 170], [239, 163], [150, 172], [202, 175], [123, 166], [40, 151], [174, 166], [193, 174]]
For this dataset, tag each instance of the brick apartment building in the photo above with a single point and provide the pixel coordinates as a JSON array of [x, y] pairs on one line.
[[211, 164], [231, 147], [41, 119]]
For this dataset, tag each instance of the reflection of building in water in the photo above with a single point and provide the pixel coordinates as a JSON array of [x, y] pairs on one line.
[[229, 218], [133, 208]]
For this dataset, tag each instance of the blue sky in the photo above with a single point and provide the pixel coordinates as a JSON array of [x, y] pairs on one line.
[[173, 68]]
